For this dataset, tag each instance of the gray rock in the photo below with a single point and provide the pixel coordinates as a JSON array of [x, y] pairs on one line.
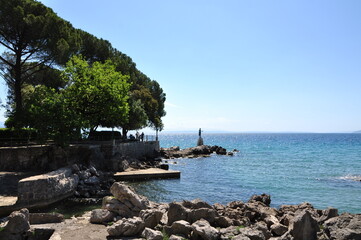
[[251, 233], [122, 191], [18, 222], [180, 227], [203, 230], [102, 216], [223, 221], [304, 227], [151, 234], [207, 214], [151, 217], [196, 204], [84, 174], [240, 237], [278, 229], [264, 198], [176, 212], [175, 237], [127, 227], [94, 180], [344, 227], [327, 214], [41, 218]]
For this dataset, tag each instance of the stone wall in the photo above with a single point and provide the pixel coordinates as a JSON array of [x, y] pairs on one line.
[[48, 158], [47, 188]]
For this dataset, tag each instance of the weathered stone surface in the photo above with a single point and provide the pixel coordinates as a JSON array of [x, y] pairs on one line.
[[278, 229], [180, 227], [264, 198], [199, 151], [304, 227], [41, 218], [18, 222], [202, 213], [176, 212], [344, 227], [102, 216], [203, 230], [196, 203], [151, 217], [252, 234], [151, 234], [123, 192], [327, 214], [175, 237], [47, 188], [223, 221], [127, 227]]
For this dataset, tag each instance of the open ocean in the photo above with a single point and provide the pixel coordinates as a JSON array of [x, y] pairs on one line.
[[292, 168]]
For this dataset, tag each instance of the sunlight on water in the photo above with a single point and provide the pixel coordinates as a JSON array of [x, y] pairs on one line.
[[322, 169]]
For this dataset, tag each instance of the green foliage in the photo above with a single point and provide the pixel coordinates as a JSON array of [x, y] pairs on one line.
[[33, 36], [165, 235], [240, 227], [97, 93], [101, 87], [24, 133], [49, 113]]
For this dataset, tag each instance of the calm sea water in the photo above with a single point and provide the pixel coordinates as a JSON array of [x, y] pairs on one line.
[[292, 168]]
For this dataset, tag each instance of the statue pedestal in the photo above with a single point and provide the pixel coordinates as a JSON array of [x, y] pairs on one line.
[[200, 141]]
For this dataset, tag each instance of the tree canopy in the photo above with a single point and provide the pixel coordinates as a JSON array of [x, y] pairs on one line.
[[103, 82]]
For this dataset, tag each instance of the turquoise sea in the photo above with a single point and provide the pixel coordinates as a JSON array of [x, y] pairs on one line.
[[292, 168]]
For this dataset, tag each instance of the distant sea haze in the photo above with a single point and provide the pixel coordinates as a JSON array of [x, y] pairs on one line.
[[323, 169]]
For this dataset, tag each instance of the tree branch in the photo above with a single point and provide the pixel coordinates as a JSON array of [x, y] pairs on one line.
[[6, 62]]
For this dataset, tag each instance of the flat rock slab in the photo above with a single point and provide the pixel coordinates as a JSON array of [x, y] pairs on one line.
[[150, 173]]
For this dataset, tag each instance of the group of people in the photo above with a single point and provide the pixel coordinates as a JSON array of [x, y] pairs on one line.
[[138, 137]]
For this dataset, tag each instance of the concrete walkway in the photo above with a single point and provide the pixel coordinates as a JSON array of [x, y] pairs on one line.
[[143, 174]]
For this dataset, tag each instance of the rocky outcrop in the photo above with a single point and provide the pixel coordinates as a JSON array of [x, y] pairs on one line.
[[253, 220], [194, 152], [47, 188], [17, 226]]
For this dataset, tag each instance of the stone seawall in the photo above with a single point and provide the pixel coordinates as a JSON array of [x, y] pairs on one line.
[[48, 158], [47, 188]]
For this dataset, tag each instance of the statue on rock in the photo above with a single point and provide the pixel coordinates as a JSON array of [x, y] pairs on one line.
[[200, 139]]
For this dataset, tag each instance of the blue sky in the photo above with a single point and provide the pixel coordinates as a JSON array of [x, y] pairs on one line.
[[238, 65]]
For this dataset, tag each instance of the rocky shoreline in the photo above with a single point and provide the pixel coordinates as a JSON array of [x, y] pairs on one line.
[[127, 215], [194, 152]]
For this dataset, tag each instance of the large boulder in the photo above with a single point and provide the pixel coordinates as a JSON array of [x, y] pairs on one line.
[[123, 192], [203, 230], [264, 198], [151, 217], [18, 222], [151, 234], [304, 227], [344, 227], [102, 216], [176, 212], [180, 227], [126, 227]]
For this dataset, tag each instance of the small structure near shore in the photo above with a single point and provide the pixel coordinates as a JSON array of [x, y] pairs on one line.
[[200, 139], [194, 152]]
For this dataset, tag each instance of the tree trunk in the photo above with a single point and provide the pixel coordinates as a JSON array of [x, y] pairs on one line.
[[124, 133], [19, 113]]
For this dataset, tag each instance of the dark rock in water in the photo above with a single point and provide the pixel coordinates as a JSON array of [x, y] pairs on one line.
[[265, 198], [199, 151]]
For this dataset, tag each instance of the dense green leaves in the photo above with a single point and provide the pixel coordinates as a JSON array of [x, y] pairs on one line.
[[98, 93], [103, 88]]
